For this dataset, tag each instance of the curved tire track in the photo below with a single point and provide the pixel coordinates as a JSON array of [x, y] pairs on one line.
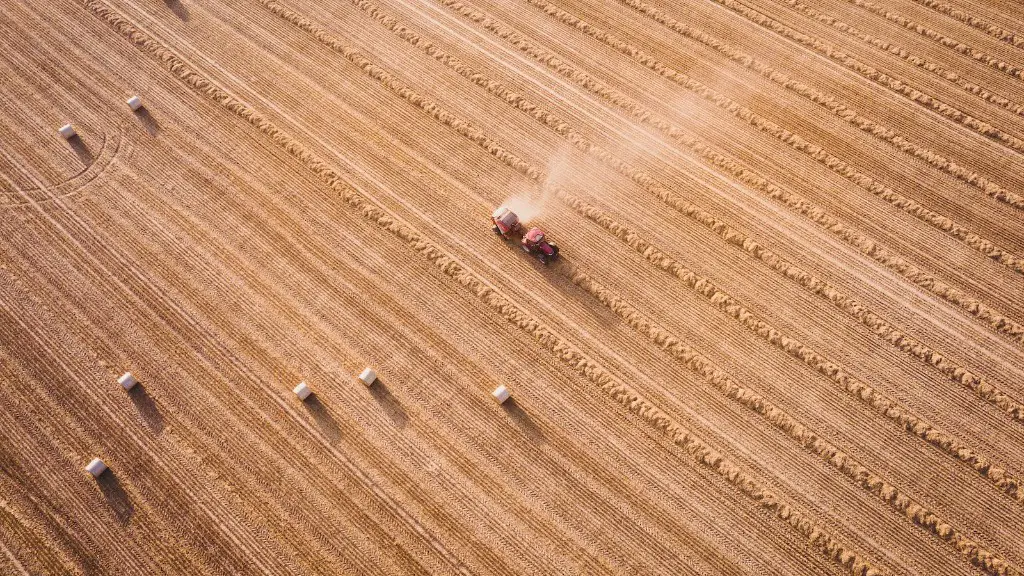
[[624, 395]]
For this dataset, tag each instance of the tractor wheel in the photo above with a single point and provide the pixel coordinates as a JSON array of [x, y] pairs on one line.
[[496, 230]]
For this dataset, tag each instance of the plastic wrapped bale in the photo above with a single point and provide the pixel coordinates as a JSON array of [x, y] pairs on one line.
[[66, 131], [134, 103], [127, 380], [368, 376], [501, 394], [96, 467], [302, 391]]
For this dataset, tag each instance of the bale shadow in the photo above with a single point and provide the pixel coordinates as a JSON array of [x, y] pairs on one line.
[[116, 496], [524, 421], [147, 120], [178, 9], [81, 149], [147, 408], [327, 423], [389, 403]]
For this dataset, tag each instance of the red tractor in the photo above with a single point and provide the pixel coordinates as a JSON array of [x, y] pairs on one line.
[[506, 224]]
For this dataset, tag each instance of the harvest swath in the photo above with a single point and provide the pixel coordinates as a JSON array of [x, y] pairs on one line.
[[784, 335]]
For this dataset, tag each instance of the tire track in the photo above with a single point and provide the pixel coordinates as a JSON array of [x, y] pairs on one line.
[[702, 453], [230, 405], [975, 22], [855, 388], [902, 53], [125, 28], [955, 45], [267, 503], [943, 223], [102, 246], [978, 555], [881, 328], [937, 161], [104, 159]]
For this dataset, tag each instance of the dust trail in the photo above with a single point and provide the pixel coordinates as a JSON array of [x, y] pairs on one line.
[[817, 537], [880, 327], [639, 138], [561, 169], [533, 204], [705, 152], [841, 111]]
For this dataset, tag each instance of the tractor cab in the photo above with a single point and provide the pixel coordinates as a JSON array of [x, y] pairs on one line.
[[534, 242]]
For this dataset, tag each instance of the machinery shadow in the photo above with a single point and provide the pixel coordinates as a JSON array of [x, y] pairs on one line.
[[392, 407], [147, 120], [147, 408], [116, 496], [81, 150], [558, 273], [179, 10], [524, 421], [327, 423]]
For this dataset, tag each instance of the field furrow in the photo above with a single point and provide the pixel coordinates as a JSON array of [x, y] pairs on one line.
[[783, 333]]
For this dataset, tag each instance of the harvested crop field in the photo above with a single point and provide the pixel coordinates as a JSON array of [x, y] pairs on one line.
[[785, 334]]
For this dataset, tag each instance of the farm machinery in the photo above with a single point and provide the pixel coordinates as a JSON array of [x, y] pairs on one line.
[[506, 224]]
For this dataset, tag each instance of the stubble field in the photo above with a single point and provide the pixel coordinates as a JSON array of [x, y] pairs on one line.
[[785, 334]]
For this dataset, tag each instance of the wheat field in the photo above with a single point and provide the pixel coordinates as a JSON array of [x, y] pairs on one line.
[[785, 334]]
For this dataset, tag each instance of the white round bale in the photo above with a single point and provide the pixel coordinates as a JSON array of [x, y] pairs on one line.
[[501, 394], [127, 380], [134, 103], [66, 131], [368, 376], [302, 391], [96, 467]]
